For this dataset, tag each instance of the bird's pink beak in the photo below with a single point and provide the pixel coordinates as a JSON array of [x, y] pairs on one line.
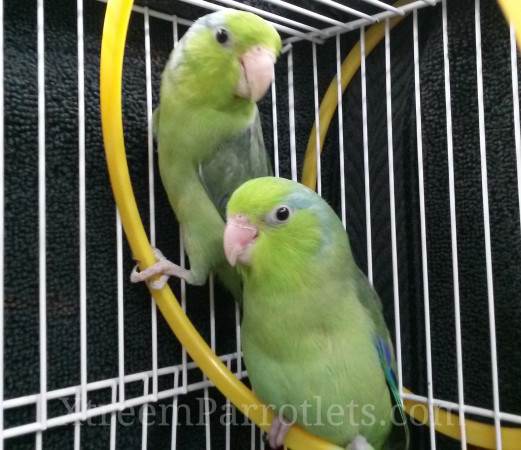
[[257, 73], [239, 236]]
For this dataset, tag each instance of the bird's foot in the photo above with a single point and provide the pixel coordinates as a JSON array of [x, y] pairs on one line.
[[277, 434], [163, 267], [359, 443]]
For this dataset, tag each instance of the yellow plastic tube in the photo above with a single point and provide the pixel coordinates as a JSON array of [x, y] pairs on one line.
[[111, 70], [512, 11], [478, 434], [447, 423]]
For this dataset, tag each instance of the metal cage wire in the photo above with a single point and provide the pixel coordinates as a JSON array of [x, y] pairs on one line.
[[293, 31]]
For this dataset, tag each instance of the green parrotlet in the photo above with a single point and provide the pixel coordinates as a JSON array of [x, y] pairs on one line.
[[315, 342], [209, 134]]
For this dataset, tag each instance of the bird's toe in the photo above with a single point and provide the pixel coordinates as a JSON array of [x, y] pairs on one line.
[[277, 434], [135, 275], [359, 443], [159, 283]]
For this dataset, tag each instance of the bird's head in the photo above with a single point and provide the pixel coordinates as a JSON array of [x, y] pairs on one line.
[[228, 55], [279, 223]]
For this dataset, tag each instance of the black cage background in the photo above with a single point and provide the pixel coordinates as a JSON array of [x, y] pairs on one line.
[[21, 227]]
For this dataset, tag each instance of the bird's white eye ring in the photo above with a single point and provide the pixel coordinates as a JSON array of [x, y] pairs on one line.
[[222, 36]]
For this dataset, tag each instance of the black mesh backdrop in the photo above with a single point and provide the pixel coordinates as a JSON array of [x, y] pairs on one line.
[[21, 184]]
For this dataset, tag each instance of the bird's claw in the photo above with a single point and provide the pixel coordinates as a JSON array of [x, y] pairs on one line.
[[162, 268], [359, 443], [277, 434]]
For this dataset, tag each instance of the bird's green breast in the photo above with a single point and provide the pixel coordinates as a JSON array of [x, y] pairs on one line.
[[188, 135], [191, 131], [312, 349]]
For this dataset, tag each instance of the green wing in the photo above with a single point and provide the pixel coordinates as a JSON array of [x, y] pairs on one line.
[[400, 437], [236, 160]]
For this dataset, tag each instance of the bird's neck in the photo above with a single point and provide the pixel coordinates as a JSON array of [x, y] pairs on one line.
[[283, 271], [190, 89], [194, 129]]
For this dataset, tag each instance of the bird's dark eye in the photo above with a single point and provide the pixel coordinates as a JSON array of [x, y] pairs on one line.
[[279, 215], [222, 36], [282, 214]]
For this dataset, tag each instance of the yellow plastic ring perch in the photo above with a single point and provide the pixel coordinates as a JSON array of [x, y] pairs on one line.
[[512, 11], [447, 423], [111, 69]]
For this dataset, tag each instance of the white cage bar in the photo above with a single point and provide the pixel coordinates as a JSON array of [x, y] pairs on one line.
[[368, 233], [453, 229], [423, 227], [392, 207], [340, 114], [42, 229], [486, 224]]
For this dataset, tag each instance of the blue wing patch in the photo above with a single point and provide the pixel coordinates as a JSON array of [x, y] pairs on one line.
[[386, 360]]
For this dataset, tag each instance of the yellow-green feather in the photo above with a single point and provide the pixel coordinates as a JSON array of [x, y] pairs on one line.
[[198, 112], [311, 320]]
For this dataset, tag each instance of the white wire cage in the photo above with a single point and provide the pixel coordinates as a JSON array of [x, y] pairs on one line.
[[140, 375]]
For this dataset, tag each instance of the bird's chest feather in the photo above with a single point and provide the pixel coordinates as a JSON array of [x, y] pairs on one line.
[[194, 130], [315, 361], [292, 360]]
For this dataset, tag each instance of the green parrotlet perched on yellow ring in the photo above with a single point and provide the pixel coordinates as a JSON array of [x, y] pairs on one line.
[[314, 338], [209, 134]]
